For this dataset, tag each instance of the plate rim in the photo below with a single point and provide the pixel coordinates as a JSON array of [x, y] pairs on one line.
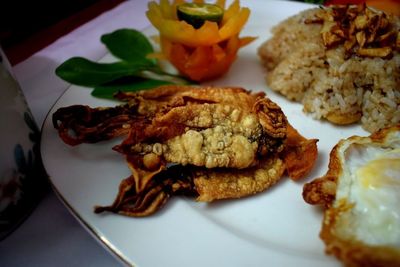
[[100, 238]]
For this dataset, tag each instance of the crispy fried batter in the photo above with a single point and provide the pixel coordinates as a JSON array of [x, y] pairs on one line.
[[210, 130], [221, 142], [299, 154], [81, 124], [223, 183], [140, 197]]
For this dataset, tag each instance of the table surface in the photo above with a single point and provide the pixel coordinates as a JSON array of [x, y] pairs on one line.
[[51, 236]]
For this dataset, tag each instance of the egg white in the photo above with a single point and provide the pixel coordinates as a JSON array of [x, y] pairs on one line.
[[370, 183]]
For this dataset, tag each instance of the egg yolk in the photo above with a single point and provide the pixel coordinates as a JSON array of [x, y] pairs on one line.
[[384, 171]]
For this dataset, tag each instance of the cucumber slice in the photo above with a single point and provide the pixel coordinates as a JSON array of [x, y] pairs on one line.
[[196, 13]]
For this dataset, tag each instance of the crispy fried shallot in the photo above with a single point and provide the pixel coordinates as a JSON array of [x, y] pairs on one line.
[[362, 31]]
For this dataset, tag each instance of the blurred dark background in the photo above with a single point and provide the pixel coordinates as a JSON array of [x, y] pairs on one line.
[[27, 26]]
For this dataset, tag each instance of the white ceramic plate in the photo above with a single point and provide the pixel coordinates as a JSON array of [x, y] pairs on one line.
[[274, 228]]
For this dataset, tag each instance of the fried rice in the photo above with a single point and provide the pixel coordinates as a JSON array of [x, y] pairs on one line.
[[330, 85]]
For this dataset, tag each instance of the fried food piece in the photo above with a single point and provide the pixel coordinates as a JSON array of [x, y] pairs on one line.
[[140, 196], [210, 128], [148, 189], [360, 193], [209, 135], [81, 124], [221, 143], [225, 183], [299, 154], [145, 191]]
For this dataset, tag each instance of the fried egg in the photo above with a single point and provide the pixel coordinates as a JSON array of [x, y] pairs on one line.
[[371, 183], [361, 193]]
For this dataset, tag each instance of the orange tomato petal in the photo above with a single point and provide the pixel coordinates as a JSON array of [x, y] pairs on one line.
[[166, 47], [220, 3], [246, 40], [166, 9], [178, 56], [232, 10], [177, 31], [207, 34], [154, 14], [218, 53], [200, 58], [235, 24], [233, 45]]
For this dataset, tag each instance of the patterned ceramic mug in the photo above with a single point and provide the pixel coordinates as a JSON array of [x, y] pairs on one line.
[[22, 177]]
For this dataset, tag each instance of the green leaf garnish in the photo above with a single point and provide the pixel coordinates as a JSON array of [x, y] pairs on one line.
[[133, 72], [81, 71], [121, 42]]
